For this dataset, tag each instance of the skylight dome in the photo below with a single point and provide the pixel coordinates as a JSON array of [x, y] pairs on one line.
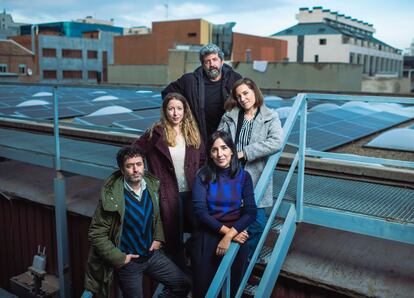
[[32, 102], [110, 111], [105, 97], [283, 112], [396, 139], [324, 107], [40, 94], [273, 98]]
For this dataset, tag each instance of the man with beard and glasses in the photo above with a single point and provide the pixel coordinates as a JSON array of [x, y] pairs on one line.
[[126, 234], [207, 88]]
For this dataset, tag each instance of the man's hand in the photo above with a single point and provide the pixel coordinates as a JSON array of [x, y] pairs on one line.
[[241, 237], [155, 245], [129, 258]]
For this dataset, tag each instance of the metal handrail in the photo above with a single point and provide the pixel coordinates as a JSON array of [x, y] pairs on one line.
[[223, 271], [268, 226]]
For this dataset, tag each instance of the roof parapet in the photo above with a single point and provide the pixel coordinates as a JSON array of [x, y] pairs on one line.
[[318, 15]]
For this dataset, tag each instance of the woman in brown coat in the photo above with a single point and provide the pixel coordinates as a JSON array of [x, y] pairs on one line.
[[174, 153]]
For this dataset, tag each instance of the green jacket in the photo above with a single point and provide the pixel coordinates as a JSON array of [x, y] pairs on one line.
[[106, 229]]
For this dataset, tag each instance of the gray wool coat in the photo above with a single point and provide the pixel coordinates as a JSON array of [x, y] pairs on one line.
[[266, 139]]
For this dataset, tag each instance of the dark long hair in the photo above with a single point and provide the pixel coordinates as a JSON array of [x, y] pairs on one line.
[[209, 171]]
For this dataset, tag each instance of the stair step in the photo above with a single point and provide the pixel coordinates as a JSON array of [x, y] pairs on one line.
[[264, 255], [250, 290], [277, 225]]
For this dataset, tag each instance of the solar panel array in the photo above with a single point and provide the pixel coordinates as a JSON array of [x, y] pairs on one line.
[[327, 130], [73, 101]]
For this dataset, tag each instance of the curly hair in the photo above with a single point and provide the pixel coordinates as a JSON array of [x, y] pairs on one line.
[[189, 127]]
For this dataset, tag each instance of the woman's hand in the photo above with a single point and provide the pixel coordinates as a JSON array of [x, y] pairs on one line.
[[223, 245], [241, 237], [240, 155]]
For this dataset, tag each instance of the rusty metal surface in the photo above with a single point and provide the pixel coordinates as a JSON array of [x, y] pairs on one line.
[[24, 225]]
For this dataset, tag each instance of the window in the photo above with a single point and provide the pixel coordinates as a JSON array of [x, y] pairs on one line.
[[22, 68], [92, 75], [192, 34], [72, 74], [322, 41], [46, 52], [66, 53], [351, 58], [92, 54], [316, 58], [49, 74], [3, 67]]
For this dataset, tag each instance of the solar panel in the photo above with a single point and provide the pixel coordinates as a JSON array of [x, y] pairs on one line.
[[318, 139], [106, 120], [138, 125], [322, 118], [151, 113], [390, 117], [48, 113], [348, 129], [371, 121], [343, 114]]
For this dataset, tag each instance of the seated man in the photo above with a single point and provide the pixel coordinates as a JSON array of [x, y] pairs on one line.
[[126, 234]]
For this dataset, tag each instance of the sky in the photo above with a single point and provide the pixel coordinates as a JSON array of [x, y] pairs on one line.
[[392, 19]]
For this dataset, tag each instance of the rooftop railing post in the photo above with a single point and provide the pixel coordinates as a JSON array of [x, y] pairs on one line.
[[56, 128], [225, 291], [301, 166], [60, 208]]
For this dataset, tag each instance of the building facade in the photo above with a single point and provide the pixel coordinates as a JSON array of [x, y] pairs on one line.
[[7, 26], [152, 48], [325, 36], [17, 63], [68, 52]]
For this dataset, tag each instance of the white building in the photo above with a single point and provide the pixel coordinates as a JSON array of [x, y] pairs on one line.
[[325, 36], [7, 26]]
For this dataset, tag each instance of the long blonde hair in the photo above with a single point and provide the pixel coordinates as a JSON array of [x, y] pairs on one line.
[[189, 127]]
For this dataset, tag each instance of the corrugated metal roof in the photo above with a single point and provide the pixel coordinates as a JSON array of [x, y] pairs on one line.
[[382, 201]]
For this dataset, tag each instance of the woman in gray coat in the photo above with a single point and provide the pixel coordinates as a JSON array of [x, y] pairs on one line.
[[257, 133]]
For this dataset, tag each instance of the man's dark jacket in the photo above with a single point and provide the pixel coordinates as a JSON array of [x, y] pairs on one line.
[[191, 85]]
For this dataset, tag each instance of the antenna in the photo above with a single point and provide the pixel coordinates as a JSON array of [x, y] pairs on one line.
[[166, 10]]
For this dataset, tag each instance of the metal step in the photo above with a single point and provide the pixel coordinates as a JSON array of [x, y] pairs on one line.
[[250, 290], [264, 255], [277, 225]]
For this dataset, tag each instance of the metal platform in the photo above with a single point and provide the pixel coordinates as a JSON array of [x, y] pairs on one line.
[[360, 207], [387, 202]]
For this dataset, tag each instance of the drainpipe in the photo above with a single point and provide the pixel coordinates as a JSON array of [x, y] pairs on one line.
[[33, 39]]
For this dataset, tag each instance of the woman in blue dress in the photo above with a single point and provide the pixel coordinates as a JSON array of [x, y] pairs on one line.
[[224, 205]]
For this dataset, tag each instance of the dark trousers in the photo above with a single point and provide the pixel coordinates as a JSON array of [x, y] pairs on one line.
[[205, 262], [158, 267], [256, 229]]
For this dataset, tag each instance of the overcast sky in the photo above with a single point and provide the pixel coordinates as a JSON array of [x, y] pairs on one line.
[[392, 19]]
